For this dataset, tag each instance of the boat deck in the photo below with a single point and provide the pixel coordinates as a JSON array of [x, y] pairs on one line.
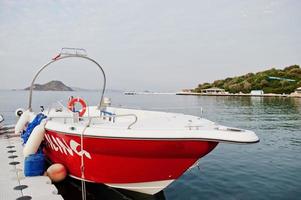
[[141, 124], [121, 118], [13, 184]]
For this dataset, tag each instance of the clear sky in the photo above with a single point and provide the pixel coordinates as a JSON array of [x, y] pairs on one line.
[[147, 45]]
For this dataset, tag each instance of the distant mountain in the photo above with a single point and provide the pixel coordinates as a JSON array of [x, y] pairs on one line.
[[51, 86], [60, 86], [270, 81]]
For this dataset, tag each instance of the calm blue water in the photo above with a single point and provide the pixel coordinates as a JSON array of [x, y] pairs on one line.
[[270, 169]]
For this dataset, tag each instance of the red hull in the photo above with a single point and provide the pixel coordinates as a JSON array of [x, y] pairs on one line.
[[109, 160]]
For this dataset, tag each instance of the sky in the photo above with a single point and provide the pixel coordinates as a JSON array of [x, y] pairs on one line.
[[147, 44]]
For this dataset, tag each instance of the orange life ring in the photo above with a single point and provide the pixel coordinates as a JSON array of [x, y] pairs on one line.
[[77, 100]]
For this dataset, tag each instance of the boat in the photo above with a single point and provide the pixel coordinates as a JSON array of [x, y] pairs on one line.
[[5, 128], [1, 119], [1, 125], [132, 149], [130, 93]]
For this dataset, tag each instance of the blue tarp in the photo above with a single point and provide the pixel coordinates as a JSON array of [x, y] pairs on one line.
[[34, 164], [36, 121]]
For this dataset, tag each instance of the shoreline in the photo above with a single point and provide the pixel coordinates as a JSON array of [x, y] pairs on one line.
[[236, 95]]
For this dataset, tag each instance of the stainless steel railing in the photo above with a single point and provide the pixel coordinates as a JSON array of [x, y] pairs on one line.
[[90, 118], [77, 53], [64, 54]]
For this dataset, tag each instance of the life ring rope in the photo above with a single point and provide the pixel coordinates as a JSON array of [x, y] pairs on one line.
[[73, 101]]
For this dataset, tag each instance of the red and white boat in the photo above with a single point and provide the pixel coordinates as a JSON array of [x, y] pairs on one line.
[[137, 150]]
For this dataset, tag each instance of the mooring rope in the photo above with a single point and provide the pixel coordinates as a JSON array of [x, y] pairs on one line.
[[82, 167]]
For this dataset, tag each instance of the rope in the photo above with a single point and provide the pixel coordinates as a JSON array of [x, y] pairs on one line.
[[83, 183], [82, 167]]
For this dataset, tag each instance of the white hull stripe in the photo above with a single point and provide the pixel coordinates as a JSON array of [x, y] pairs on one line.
[[151, 187]]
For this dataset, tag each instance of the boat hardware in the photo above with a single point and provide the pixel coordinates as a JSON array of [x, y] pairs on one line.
[[64, 55]]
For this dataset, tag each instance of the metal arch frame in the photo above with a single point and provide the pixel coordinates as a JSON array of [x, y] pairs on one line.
[[64, 57]]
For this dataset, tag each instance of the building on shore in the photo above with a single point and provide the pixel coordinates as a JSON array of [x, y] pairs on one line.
[[297, 92], [257, 92], [214, 90], [130, 93]]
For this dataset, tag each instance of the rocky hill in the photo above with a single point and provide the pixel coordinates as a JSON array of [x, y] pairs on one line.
[[277, 81], [51, 86]]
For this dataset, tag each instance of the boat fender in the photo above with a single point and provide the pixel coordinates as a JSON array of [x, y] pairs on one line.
[[73, 101], [35, 139], [1, 118], [56, 172], [23, 120], [19, 112], [34, 121]]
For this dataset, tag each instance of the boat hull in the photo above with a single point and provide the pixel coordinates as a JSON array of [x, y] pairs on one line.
[[123, 162]]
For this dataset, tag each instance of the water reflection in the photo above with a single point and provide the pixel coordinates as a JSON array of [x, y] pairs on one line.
[[70, 189], [266, 170], [295, 141]]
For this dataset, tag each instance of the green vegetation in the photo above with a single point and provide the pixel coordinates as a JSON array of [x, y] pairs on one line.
[[260, 81], [51, 86]]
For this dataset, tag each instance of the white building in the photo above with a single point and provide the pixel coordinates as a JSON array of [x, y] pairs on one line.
[[297, 93], [298, 90], [213, 90], [257, 92]]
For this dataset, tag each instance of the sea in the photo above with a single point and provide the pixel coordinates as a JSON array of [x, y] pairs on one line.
[[270, 169]]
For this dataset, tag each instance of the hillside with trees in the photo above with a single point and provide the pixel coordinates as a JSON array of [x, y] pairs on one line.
[[51, 86], [260, 81]]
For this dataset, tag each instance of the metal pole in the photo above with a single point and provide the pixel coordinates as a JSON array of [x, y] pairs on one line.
[[60, 58]]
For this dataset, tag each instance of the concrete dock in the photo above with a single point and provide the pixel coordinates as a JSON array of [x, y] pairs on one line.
[[13, 184]]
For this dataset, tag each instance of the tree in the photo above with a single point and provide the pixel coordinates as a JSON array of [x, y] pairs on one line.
[[259, 81], [246, 87], [264, 83]]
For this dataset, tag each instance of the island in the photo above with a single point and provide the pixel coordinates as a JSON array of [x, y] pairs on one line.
[[276, 81], [51, 86]]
